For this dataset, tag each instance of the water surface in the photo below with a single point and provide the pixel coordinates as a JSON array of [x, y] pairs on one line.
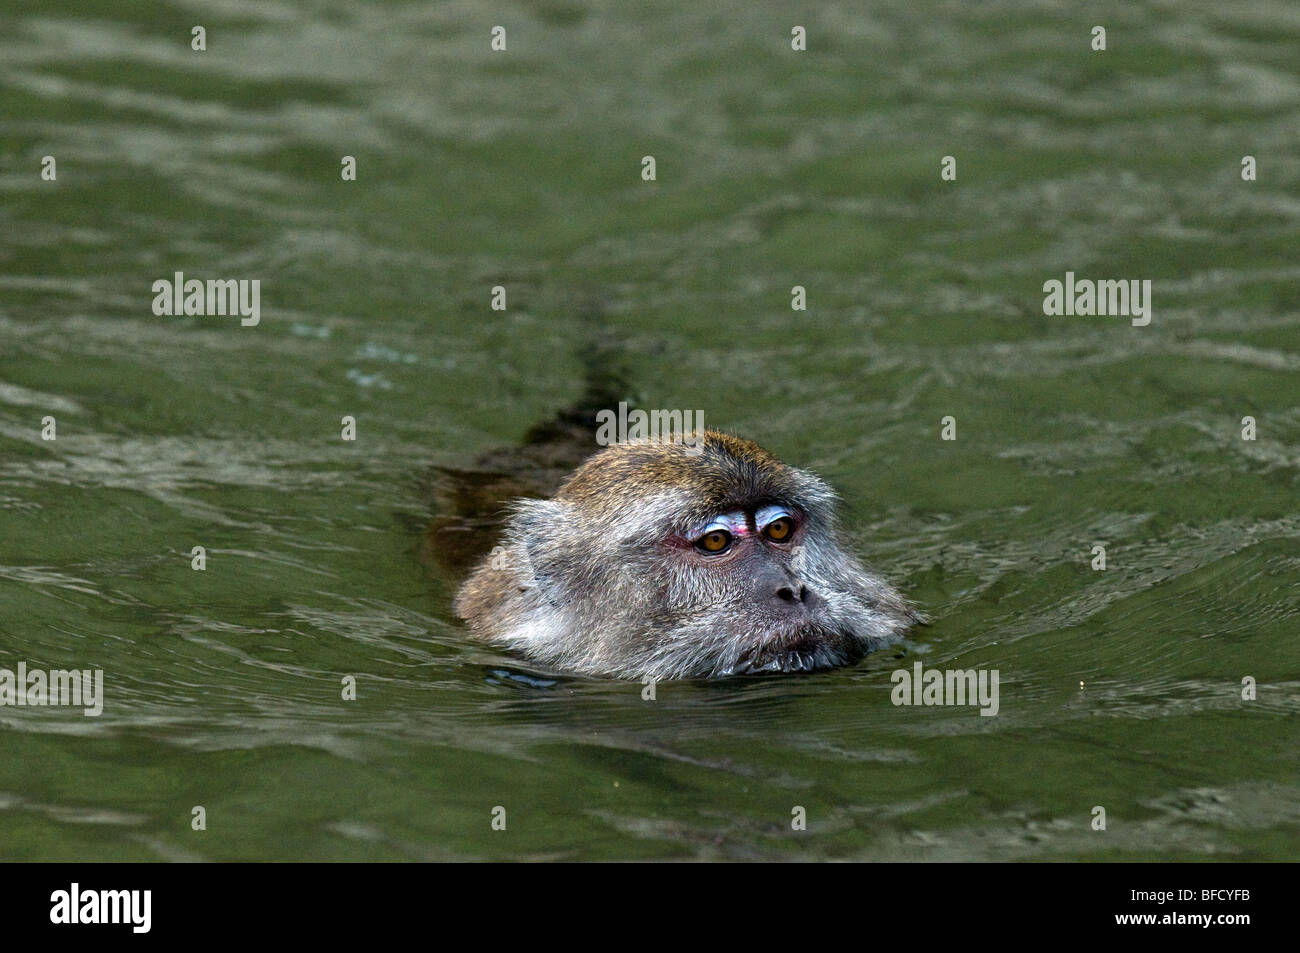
[[1119, 688]]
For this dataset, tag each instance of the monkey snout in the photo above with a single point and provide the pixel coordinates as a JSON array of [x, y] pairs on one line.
[[782, 592], [788, 594], [795, 598]]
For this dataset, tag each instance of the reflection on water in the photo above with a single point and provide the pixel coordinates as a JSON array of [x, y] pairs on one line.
[[1120, 688]]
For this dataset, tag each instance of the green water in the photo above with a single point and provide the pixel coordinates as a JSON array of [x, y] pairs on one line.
[[1119, 688]]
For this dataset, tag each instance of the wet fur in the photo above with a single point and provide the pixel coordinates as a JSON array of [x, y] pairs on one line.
[[590, 581]]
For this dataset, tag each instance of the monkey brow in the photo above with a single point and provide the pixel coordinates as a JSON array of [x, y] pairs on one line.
[[709, 507], [736, 523]]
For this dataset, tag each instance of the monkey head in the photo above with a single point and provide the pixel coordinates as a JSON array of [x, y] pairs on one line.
[[695, 559]]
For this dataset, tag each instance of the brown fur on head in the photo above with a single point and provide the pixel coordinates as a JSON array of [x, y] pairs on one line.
[[612, 576]]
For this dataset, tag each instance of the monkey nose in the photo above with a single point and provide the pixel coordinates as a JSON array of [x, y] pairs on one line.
[[792, 594], [795, 598], [783, 592]]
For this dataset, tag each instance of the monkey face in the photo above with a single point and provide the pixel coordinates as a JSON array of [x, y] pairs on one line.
[[752, 553], [767, 589], [683, 562]]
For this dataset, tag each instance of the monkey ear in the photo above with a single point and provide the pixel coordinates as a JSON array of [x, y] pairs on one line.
[[541, 532]]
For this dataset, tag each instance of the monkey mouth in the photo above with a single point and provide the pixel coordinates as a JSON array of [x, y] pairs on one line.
[[808, 649]]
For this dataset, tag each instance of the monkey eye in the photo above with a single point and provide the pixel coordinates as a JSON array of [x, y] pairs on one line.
[[776, 523], [714, 541], [779, 530]]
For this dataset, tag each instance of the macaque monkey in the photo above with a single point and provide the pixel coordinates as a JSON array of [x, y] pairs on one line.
[[681, 559]]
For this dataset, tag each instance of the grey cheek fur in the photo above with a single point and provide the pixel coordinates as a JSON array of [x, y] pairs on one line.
[[639, 615]]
